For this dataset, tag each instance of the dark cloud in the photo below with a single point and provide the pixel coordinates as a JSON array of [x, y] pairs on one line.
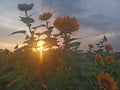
[[64, 7], [103, 17], [101, 22], [78, 9]]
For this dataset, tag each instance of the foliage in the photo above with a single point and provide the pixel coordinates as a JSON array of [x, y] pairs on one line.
[[58, 67]]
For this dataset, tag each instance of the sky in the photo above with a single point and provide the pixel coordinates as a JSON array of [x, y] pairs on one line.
[[96, 17]]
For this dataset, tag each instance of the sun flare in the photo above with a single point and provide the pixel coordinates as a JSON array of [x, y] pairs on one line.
[[40, 45]]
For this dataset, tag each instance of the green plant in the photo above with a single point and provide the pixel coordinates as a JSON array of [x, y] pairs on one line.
[[54, 66]]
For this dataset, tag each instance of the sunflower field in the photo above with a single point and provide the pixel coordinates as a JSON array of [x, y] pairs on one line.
[[55, 61]]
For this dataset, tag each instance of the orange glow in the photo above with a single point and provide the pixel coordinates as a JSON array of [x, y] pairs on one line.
[[40, 48], [34, 49], [40, 45]]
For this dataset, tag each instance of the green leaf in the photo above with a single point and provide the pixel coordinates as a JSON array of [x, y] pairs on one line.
[[50, 28], [72, 39], [19, 83], [27, 37], [8, 77], [16, 47], [38, 26], [30, 15], [50, 42], [74, 44], [38, 34], [27, 20], [56, 81], [17, 32]]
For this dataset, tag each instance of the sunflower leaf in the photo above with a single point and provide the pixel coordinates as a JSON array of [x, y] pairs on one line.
[[17, 32], [38, 26], [16, 47], [72, 39], [8, 77], [27, 20], [57, 81], [17, 84], [30, 15], [74, 44]]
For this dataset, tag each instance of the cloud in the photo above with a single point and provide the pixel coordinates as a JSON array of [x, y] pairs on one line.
[[98, 14], [64, 7], [96, 17], [101, 22]]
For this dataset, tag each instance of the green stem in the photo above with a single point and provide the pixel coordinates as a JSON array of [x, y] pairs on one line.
[[26, 14], [65, 35], [28, 85], [32, 34], [66, 41], [47, 26]]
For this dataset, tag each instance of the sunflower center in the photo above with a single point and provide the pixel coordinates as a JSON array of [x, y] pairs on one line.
[[67, 26], [106, 84]]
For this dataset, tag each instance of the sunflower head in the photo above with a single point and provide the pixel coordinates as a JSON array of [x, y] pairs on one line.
[[108, 47], [45, 16], [106, 81], [66, 24], [100, 59], [90, 46], [110, 59], [25, 7]]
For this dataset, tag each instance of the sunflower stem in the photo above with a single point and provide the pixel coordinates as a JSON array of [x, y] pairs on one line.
[[32, 35], [46, 23], [66, 41], [26, 14], [47, 26]]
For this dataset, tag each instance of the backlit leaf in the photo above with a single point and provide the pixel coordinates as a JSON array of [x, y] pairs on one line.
[[16, 47], [27, 20], [17, 32]]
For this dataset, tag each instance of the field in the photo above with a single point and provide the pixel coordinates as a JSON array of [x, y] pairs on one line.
[[44, 64]]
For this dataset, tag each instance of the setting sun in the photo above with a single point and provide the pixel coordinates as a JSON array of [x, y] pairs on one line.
[[40, 48], [40, 45]]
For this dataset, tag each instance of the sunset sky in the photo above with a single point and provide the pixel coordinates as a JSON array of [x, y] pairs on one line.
[[96, 17]]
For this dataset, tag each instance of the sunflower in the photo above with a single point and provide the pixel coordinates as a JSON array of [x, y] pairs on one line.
[[110, 59], [108, 47], [66, 24], [45, 16], [25, 7], [90, 46], [106, 81], [99, 59]]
